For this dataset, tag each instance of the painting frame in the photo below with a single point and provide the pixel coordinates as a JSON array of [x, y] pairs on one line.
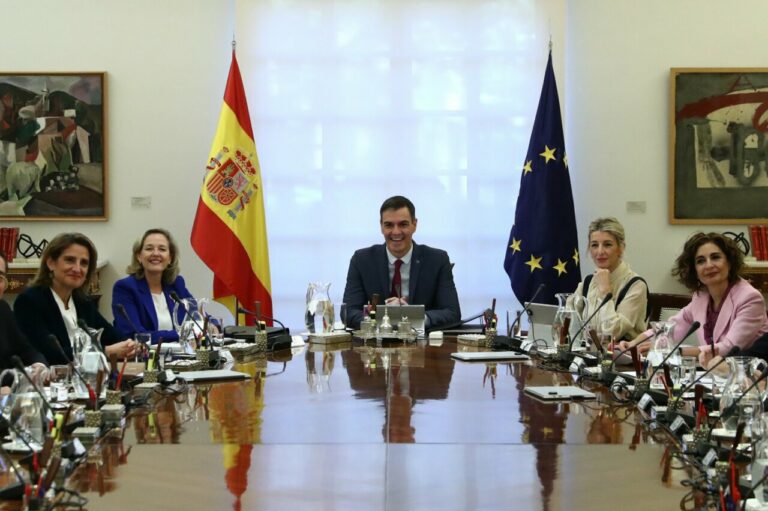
[[53, 146], [718, 148]]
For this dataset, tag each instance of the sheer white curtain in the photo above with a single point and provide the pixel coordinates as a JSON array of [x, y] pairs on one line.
[[354, 101]]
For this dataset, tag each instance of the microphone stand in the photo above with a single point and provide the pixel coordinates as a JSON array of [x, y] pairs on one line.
[[124, 314], [276, 340], [567, 356], [526, 308], [691, 420], [694, 326]]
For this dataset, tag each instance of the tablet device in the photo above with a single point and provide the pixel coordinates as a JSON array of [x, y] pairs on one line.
[[486, 356], [540, 319], [214, 375], [559, 393]]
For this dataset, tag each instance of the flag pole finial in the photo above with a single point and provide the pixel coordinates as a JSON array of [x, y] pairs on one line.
[[550, 42], [234, 43]]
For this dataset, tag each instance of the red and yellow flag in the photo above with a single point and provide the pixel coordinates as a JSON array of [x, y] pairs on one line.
[[230, 232]]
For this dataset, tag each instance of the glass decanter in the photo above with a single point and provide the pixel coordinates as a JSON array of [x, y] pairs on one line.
[[662, 342], [25, 412], [568, 319], [188, 322], [737, 404], [89, 361], [319, 316]]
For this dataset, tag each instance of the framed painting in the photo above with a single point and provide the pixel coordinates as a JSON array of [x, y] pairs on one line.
[[718, 170], [53, 147]]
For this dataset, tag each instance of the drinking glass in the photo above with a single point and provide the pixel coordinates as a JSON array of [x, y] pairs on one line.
[[688, 368], [343, 315], [59, 380]]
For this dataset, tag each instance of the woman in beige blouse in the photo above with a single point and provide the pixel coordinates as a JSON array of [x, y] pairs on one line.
[[626, 312]]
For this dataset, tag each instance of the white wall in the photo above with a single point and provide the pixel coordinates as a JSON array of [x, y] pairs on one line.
[[166, 64], [618, 54]]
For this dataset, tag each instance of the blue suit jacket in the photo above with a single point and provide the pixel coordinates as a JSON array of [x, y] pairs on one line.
[[38, 317], [431, 283], [134, 295]]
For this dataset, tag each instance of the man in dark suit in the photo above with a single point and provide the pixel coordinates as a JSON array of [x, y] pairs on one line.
[[402, 271], [12, 341]]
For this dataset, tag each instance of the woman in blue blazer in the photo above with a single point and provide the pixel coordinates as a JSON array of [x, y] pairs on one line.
[[141, 302]]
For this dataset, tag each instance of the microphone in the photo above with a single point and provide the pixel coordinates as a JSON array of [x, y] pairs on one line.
[[734, 351], [258, 315], [466, 320], [175, 297], [54, 341], [124, 314], [525, 310], [578, 332], [694, 326], [16, 361], [620, 353]]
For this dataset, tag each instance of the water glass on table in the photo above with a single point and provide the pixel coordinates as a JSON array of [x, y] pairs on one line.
[[59, 377]]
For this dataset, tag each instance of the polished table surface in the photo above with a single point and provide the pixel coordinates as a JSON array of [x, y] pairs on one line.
[[394, 427]]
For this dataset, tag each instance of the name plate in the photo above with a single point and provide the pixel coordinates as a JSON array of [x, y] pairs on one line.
[[709, 458], [645, 401], [677, 424], [576, 364]]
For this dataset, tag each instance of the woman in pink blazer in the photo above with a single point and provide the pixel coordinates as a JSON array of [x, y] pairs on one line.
[[731, 312]]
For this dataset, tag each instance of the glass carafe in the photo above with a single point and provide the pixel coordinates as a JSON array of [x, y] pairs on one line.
[[318, 316], [662, 343], [759, 468], [89, 361], [188, 322], [24, 410], [568, 318], [748, 404]]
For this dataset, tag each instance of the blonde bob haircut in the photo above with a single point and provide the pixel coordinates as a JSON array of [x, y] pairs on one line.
[[609, 225], [171, 272]]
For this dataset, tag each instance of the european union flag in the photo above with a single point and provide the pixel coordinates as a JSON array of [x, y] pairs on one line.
[[543, 244]]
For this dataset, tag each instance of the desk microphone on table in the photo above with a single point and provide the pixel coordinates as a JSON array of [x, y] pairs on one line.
[[566, 356], [694, 326], [258, 315], [526, 309], [124, 314]]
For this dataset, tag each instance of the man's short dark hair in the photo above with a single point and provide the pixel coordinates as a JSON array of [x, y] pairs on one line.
[[397, 202]]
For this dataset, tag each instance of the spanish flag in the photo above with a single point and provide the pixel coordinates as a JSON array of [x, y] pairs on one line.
[[230, 232]]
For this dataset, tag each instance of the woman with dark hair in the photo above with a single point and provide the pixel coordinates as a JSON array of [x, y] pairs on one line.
[[141, 302], [731, 312], [57, 299], [12, 341]]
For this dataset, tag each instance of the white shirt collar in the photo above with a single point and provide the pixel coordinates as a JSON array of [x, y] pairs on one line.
[[406, 258]]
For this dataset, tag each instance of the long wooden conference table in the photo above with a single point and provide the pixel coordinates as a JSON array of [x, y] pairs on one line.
[[393, 427]]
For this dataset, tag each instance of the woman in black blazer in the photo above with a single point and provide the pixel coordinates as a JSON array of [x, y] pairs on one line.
[[49, 310]]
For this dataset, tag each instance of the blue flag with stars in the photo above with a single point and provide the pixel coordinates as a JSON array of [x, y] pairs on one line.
[[543, 244]]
